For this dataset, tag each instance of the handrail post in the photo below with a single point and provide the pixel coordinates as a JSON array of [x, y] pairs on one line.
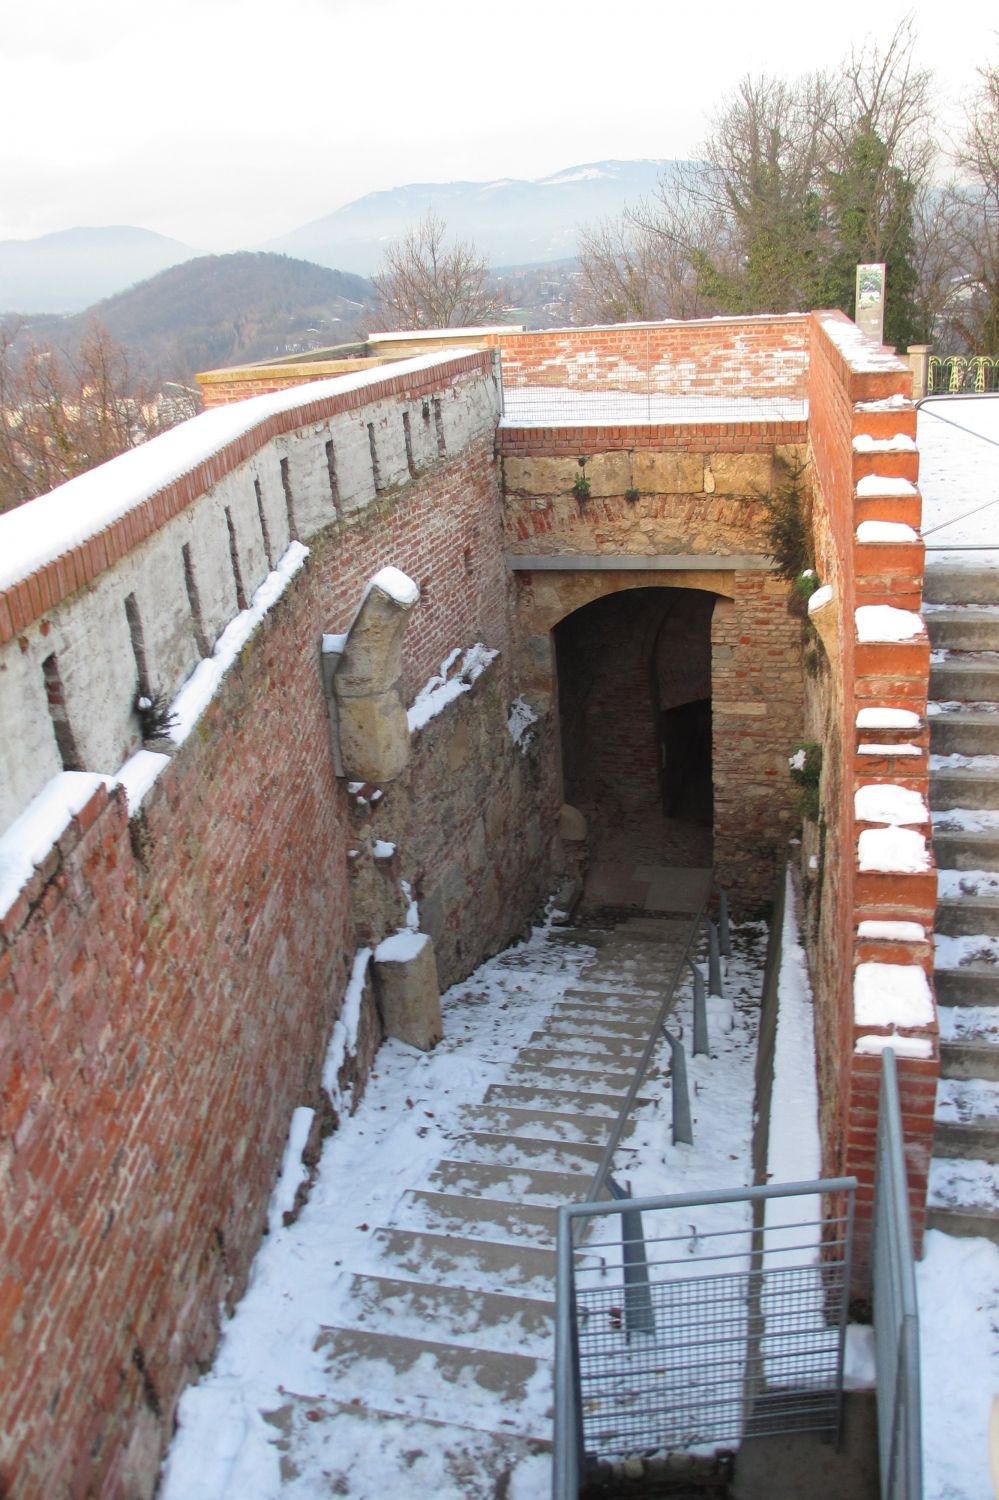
[[683, 1130], [714, 961], [724, 926], [701, 1045], [568, 1457]]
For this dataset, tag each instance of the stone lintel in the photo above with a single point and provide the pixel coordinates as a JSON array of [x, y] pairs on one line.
[[679, 562]]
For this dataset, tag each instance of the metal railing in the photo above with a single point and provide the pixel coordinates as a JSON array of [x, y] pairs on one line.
[[955, 374], [896, 1316], [734, 1330]]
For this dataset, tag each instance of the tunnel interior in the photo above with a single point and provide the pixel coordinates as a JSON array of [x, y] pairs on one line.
[[634, 684]]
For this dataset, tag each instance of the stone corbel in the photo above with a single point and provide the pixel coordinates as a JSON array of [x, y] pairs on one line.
[[361, 672]]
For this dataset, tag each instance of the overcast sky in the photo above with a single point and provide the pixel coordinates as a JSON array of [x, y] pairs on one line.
[[226, 122]]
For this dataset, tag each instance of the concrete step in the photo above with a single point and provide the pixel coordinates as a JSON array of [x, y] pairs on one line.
[[964, 629], [966, 916], [521, 1150], [967, 1119], [969, 1041], [963, 1197], [489, 1265], [600, 994], [437, 1458], [538, 1126], [440, 1381], [622, 1051], [964, 732], [947, 584], [589, 1025], [963, 786], [458, 1315], [965, 679], [966, 851], [480, 1218], [519, 1185], [573, 1071], [974, 984], [571, 1102]]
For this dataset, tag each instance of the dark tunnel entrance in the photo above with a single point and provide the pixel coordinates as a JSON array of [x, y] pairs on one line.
[[634, 680]]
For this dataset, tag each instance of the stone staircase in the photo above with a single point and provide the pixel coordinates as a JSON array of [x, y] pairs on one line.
[[962, 616], [449, 1346]]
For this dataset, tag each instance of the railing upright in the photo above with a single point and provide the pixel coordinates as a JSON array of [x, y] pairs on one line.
[[896, 1315]]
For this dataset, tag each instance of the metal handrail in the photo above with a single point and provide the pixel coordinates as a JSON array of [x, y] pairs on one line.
[[600, 1176], [896, 1311], [970, 432]]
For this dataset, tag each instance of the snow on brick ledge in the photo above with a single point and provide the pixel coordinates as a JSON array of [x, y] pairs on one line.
[[820, 598], [877, 623], [900, 443], [885, 531], [905, 1046], [887, 750], [896, 851], [887, 718], [875, 931], [884, 486], [883, 802], [891, 995]]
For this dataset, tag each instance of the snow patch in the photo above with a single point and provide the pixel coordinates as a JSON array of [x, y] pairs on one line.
[[396, 585], [905, 1046], [883, 622], [885, 531], [887, 718], [891, 995], [401, 947], [443, 689], [821, 597], [519, 722], [884, 487], [343, 1041], [891, 932], [898, 850], [293, 1170], [900, 443], [32, 836]]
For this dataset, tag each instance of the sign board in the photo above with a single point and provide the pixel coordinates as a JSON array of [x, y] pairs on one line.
[[870, 304]]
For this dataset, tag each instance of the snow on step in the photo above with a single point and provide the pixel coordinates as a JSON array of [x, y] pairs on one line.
[[969, 1023], [522, 1150], [964, 1186], [604, 1048], [546, 1067], [443, 1382], [511, 1184], [953, 884], [458, 1315], [460, 1260], [480, 1218], [570, 1102], [363, 1449], [539, 1124]]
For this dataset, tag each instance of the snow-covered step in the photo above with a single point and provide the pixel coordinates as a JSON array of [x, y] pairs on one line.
[[489, 1265], [969, 1041], [482, 1218], [611, 1004], [572, 1102], [545, 1066], [963, 1197], [960, 850], [458, 1315], [967, 1116], [946, 584], [518, 1184], [620, 1050], [365, 1449], [963, 786], [968, 679], [441, 1381], [968, 915], [967, 731], [522, 1150], [964, 629], [539, 1125], [594, 1027]]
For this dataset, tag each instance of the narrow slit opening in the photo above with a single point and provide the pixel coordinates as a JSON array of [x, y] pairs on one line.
[[194, 601], [407, 432], [331, 471], [439, 425], [375, 466], [289, 498], [138, 639], [61, 727], [265, 530], [237, 571]]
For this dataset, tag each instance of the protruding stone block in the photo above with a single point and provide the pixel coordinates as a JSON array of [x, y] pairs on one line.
[[374, 737], [407, 990], [571, 824]]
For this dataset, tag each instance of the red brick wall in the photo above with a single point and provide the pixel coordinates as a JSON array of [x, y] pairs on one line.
[[168, 987], [893, 675]]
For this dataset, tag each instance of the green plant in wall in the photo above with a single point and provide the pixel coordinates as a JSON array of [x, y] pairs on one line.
[[631, 495], [805, 766], [788, 526], [581, 486]]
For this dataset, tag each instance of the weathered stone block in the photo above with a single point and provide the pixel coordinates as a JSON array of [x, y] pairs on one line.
[[668, 473], [608, 473], [374, 737], [742, 473], [407, 990], [539, 476], [571, 823]]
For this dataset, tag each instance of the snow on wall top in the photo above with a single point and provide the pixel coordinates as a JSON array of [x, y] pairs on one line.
[[891, 995], [861, 353], [41, 530], [883, 622]]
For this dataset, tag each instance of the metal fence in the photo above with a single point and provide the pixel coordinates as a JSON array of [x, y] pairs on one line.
[[731, 1328], [928, 406], [896, 1318], [955, 374]]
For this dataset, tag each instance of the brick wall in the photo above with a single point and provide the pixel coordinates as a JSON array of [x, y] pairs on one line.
[[169, 981]]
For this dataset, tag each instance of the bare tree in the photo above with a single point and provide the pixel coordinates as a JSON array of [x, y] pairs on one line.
[[60, 416], [973, 307], [427, 282]]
